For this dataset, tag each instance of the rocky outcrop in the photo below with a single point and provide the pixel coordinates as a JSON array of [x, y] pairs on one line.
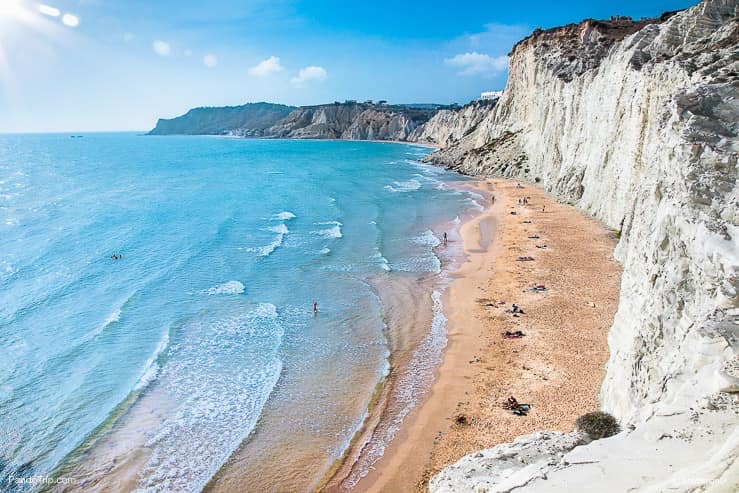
[[636, 124], [448, 127], [250, 119], [349, 120], [353, 121]]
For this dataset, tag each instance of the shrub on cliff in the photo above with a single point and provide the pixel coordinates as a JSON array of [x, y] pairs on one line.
[[598, 425]]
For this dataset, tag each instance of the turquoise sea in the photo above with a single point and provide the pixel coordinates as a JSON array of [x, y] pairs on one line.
[[156, 367]]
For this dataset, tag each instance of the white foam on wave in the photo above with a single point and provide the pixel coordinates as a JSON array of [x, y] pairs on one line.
[[332, 232], [219, 374], [280, 229], [413, 383], [112, 318], [379, 258], [427, 238], [436, 183], [424, 260], [264, 251], [427, 168], [478, 197], [475, 204], [404, 186], [151, 367], [324, 251], [230, 287], [284, 216]]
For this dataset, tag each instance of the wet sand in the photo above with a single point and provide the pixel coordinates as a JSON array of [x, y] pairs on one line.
[[557, 367]]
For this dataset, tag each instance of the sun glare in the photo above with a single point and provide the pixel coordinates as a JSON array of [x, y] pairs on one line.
[[11, 8], [25, 23]]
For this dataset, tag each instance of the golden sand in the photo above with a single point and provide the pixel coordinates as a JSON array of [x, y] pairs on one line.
[[557, 368]]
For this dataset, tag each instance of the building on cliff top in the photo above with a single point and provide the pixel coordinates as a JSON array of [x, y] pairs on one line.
[[489, 95]]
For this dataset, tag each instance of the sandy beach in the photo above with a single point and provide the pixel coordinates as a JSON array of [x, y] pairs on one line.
[[557, 367]]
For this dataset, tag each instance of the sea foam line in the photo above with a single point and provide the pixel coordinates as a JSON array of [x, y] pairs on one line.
[[283, 216], [230, 287], [266, 250], [404, 186], [415, 382], [151, 367], [191, 445], [333, 232]]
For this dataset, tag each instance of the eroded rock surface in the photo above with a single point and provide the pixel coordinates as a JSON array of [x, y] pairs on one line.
[[639, 129]]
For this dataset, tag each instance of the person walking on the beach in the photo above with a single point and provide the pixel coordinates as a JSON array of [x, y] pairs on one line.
[[445, 238], [542, 208]]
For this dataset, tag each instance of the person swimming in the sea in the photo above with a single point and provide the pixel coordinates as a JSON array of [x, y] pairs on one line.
[[315, 307]]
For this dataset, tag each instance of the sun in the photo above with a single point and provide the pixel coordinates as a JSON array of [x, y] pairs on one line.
[[22, 24], [13, 9]]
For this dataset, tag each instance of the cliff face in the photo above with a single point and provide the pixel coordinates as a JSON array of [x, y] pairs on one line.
[[349, 120], [253, 118], [448, 127], [636, 124], [352, 121]]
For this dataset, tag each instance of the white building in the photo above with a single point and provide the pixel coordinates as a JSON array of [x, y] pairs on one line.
[[488, 95]]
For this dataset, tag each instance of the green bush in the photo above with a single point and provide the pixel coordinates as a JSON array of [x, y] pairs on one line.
[[598, 425]]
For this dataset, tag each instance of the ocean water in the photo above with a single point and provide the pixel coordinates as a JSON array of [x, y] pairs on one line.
[[159, 366]]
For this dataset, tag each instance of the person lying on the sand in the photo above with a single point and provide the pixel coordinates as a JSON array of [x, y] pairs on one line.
[[525, 259], [513, 335], [516, 309], [510, 403], [517, 408], [522, 409], [534, 237]]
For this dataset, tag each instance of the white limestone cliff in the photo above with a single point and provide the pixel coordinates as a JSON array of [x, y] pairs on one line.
[[636, 124]]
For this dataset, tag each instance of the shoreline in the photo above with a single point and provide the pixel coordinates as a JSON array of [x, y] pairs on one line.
[[411, 363], [429, 145], [557, 368]]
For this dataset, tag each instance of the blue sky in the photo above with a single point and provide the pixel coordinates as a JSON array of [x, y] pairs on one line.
[[83, 65]]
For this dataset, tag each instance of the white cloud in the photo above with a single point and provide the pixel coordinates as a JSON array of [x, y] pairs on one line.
[[266, 67], [210, 61], [70, 20], [309, 73], [48, 10], [161, 48], [474, 63]]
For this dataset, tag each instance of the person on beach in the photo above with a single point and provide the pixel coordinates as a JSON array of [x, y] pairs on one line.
[[445, 238], [492, 199], [542, 208]]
